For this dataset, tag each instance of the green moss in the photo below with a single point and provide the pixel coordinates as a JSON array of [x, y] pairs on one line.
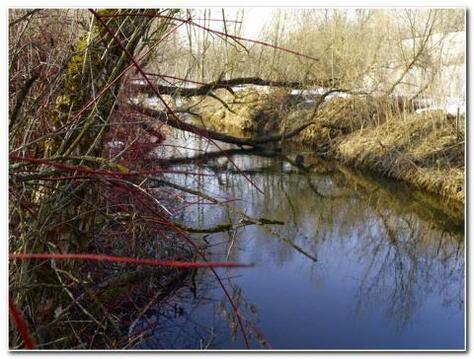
[[74, 91]]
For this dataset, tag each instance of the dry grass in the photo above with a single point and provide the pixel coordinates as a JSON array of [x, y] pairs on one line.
[[243, 106], [421, 149]]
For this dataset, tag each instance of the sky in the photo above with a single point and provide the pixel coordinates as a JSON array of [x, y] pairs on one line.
[[254, 19]]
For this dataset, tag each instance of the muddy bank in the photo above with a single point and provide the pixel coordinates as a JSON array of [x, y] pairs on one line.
[[385, 136]]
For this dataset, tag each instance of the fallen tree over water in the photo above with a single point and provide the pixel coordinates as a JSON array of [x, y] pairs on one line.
[[207, 88], [172, 119], [424, 149]]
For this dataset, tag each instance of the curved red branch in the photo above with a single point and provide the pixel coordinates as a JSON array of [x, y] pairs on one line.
[[20, 324]]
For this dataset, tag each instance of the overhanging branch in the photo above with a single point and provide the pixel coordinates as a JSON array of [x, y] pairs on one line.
[[226, 84], [176, 122]]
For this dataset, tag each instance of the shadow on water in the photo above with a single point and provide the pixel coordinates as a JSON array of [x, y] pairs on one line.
[[390, 260]]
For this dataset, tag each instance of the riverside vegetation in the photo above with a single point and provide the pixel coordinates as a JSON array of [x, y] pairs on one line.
[[112, 212], [380, 134]]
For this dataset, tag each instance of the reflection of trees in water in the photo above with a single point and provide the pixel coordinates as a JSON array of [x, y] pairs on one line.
[[405, 269], [408, 249], [183, 322], [412, 257], [407, 244], [173, 322]]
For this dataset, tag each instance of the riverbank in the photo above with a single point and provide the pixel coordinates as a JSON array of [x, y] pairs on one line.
[[422, 148]]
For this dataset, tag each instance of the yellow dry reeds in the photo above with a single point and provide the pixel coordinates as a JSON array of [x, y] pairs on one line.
[[421, 149]]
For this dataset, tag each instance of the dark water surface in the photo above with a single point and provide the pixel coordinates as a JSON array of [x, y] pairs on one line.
[[389, 272]]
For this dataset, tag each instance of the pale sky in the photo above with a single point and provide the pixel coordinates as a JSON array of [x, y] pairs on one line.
[[254, 19]]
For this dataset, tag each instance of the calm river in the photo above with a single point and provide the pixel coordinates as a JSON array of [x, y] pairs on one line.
[[389, 269]]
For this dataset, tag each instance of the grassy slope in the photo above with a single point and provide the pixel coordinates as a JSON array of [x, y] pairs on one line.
[[423, 149]]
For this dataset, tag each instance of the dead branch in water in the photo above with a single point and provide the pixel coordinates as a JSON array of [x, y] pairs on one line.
[[224, 227]]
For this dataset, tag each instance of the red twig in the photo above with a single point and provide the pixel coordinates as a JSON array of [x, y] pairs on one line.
[[20, 324], [203, 133], [235, 37], [219, 20], [82, 169], [117, 40], [177, 78], [114, 259]]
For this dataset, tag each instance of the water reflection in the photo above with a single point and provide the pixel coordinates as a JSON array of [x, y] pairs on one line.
[[390, 260]]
